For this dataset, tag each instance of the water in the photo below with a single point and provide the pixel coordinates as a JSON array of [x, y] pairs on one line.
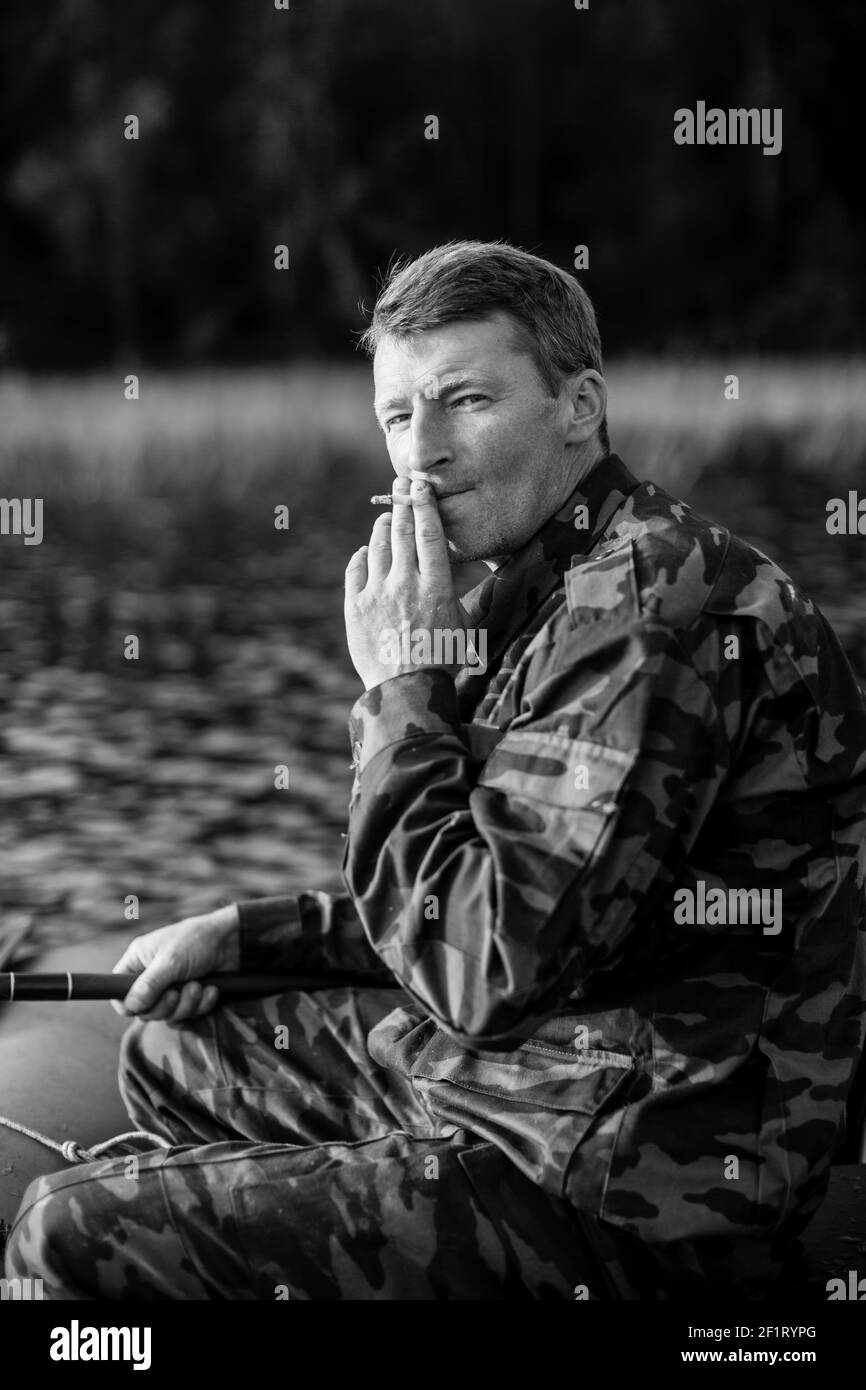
[[155, 777]]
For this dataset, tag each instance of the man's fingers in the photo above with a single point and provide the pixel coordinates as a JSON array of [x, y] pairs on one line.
[[150, 984], [209, 1000], [188, 1005], [429, 538], [356, 575], [193, 1003], [177, 1006], [379, 550], [166, 1005], [404, 561], [188, 1002]]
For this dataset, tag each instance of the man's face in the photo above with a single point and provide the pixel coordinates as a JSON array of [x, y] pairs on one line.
[[466, 406]]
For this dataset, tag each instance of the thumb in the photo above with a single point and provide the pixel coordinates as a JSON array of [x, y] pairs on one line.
[[130, 963], [153, 981]]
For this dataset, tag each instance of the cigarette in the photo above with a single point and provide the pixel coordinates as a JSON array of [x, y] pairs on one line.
[[386, 499]]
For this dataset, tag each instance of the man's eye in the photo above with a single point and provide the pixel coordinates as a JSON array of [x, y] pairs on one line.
[[394, 420], [470, 396]]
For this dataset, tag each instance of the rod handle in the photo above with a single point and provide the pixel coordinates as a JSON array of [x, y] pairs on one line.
[[20, 986]]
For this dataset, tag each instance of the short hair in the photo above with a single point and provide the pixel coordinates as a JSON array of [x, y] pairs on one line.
[[554, 321]]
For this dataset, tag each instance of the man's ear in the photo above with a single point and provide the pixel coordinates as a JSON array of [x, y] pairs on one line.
[[586, 392]]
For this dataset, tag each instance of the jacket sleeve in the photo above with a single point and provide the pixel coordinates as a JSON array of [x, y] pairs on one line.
[[311, 931], [493, 888]]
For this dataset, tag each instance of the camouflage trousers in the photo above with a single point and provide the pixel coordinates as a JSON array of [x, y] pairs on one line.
[[297, 1169]]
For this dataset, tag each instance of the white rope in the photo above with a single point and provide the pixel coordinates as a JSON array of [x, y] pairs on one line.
[[74, 1152]]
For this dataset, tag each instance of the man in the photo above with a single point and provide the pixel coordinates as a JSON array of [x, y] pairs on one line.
[[606, 887]]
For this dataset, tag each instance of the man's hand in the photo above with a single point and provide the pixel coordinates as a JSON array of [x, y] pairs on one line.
[[402, 577], [183, 951]]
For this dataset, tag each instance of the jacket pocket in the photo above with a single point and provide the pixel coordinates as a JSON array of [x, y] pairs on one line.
[[562, 793], [535, 1103], [543, 765]]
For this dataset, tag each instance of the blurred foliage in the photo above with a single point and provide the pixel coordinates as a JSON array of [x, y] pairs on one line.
[[306, 126]]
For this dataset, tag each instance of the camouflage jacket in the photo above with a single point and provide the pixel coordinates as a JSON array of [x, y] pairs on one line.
[[662, 710]]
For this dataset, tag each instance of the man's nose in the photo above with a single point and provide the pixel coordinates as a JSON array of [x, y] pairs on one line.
[[428, 441]]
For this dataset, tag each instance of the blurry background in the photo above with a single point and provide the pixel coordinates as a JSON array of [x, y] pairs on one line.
[[305, 126]]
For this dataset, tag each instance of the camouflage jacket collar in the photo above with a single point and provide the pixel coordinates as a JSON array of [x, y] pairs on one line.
[[503, 602]]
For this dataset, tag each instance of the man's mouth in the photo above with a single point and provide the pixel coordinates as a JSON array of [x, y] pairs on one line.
[[442, 492]]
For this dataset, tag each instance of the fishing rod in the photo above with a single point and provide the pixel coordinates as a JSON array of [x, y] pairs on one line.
[[18, 987]]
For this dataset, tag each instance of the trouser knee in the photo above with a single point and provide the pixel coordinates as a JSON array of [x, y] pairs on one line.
[[46, 1233]]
